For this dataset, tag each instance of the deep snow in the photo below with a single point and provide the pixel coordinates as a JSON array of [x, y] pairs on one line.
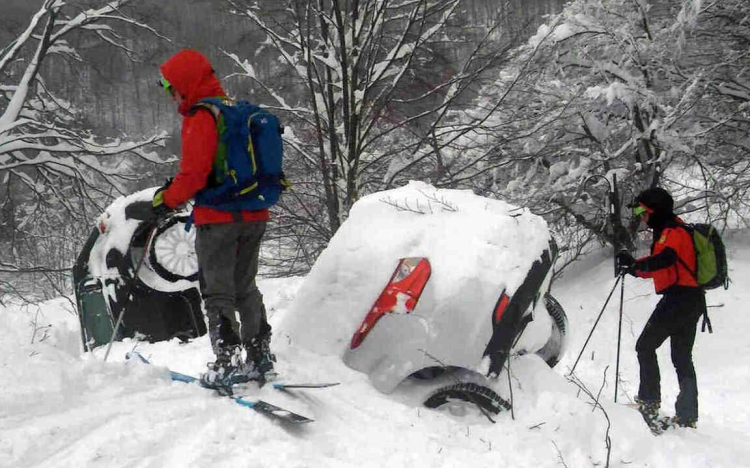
[[62, 408]]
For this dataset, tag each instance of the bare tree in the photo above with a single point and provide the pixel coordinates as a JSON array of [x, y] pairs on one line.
[[54, 171], [655, 95], [714, 56], [384, 81]]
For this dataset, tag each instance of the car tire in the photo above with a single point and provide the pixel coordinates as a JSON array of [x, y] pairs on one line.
[[555, 346], [171, 254], [479, 395]]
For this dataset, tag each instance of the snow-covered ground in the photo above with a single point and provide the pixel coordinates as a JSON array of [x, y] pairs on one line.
[[62, 408]]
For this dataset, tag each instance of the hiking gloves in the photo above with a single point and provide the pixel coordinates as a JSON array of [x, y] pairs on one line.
[[158, 206], [625, 262]]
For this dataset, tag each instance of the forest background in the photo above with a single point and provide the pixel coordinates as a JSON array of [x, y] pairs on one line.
[[537, 102]]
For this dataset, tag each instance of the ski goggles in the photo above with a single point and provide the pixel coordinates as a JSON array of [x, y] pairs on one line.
[[640, 209], [166, 85]]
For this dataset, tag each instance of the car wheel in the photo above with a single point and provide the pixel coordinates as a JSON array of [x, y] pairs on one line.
[[429, 373], [172, 252], [555, 346], [471, 393]]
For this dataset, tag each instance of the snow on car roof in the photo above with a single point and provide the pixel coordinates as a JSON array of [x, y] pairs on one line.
[[465, 237], [118, 233]]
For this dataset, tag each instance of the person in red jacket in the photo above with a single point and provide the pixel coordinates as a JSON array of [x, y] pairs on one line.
[[227, 242], [670, 266]]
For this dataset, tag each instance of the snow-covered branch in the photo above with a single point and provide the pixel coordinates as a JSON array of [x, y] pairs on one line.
[[56, 175]]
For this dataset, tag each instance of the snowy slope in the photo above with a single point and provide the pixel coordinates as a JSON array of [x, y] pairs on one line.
[[59, 408]]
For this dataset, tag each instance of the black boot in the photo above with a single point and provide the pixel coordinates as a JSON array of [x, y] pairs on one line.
[[676, 421], [222, 372], [259, 351], [649, 409]]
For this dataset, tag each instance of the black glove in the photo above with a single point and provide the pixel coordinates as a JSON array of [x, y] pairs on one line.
[[159, 208], [625, 262]]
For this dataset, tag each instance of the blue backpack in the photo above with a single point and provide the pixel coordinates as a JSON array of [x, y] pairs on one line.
[[247, 172]]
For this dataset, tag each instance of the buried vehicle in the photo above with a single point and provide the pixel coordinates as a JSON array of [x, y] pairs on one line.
[[406, 334], [141, 267], [433, 289]]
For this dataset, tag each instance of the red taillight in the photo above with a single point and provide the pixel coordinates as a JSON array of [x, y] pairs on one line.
[[104, 222], [399, 296], [502, 304]]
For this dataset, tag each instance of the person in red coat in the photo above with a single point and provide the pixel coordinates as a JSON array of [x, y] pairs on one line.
[[227, 241], [670, 266]]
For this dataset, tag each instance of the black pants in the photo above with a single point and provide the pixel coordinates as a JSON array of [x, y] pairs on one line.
[[228, 258], [675, 317]]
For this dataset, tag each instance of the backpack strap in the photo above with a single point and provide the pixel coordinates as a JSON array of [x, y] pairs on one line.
[[694, 274], [212, 108]]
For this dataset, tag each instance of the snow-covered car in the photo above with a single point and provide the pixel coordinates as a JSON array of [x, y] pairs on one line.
[[425, 340], [433, 285], [145, 268]]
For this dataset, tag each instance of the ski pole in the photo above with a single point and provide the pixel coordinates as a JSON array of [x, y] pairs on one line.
[[130, 289], [595, 324], [619, 335]]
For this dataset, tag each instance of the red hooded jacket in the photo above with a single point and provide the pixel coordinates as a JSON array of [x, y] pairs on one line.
[[192, 76]]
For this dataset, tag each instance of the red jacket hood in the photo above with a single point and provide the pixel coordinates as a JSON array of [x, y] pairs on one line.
[[191, 75]]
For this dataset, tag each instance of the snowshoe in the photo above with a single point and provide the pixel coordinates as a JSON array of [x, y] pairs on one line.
[[650, 412]]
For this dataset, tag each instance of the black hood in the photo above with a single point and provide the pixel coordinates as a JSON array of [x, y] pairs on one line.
[[661, 203]]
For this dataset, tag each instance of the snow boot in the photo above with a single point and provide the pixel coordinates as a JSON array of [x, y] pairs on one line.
[[676, 421], [221, 373], [260, 357], [649, 409], [248, 370]]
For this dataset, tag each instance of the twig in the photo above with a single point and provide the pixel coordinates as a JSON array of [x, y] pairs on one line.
[[607, 439], [510, 387], [34, 325], [403, 207], [488, 442], [447, 206], [559, 455]]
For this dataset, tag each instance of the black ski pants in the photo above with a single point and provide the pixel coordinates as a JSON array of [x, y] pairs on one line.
[[675, 317], [228, 259]]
